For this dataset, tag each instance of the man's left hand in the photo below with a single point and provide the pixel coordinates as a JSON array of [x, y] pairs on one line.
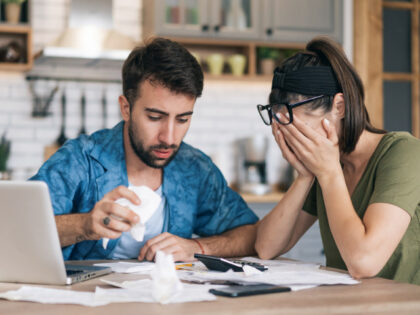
[[181, 249]]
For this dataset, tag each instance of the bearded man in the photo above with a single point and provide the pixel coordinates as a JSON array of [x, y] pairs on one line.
[[161, 82]]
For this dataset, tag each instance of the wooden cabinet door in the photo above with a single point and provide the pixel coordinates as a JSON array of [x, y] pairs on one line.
[[387, 57], [182, 17], [235, 19], [301, 20]]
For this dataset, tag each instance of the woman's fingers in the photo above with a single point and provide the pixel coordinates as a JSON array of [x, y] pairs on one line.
[[299, 127], [294, 144], [330, 130]]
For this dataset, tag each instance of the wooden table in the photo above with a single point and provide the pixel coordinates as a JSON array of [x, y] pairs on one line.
[[372, 296]]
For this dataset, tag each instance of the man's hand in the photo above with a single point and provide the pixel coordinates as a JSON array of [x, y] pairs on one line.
[[109, 219], [181, 249]]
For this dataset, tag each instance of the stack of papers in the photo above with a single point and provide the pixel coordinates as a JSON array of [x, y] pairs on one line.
[[128, 291], [292, 274], [295, 275], [129, 267]]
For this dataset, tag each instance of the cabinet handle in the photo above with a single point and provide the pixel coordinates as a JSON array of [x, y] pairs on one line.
[[217, 28], [205, 28], [269, 31]]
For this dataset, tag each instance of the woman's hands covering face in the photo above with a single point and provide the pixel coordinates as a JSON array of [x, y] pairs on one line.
[[288, 153], [307, 150]]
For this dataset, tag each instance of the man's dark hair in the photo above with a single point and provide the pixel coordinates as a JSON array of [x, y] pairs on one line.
[[163, 62]]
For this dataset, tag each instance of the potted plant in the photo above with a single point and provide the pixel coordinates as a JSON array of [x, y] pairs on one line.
[[268, 57], [4, 156], [12, 10]]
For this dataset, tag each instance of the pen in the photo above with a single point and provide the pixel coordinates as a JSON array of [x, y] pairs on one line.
[[182, 266]]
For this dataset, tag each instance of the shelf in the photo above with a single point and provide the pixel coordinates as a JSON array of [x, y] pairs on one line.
[[272, 197], [22, 34], [245, 77], [204, 47]]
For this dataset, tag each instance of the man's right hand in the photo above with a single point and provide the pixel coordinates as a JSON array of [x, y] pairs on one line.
[[109, 219]]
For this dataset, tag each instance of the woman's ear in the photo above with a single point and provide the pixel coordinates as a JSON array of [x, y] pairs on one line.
[[124, 107], [339, 107]]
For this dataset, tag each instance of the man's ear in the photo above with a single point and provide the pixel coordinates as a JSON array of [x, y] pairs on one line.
[[124, 107], [339, 107]]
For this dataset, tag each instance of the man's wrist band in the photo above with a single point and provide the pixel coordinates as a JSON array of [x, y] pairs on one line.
[[199, 244]]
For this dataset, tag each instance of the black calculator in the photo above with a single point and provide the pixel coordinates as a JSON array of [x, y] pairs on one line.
[[222, 264]]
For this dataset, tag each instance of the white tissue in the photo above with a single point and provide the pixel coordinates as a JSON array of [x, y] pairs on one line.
[[251, 271], [105, 241], [166, 283], [149, 203]]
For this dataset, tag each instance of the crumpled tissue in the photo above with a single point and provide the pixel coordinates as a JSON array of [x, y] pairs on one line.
[[150, 201], [166, 283]]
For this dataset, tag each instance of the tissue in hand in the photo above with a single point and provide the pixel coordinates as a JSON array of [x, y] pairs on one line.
[[165, 280], [149, 203]]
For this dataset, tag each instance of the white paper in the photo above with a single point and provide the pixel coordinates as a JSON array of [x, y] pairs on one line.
[[295, 275], [141, 291], [137, 291], [150, 201], [51, 296], [129, 267]]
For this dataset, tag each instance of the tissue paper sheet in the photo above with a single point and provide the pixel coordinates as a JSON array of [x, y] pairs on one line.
[[165, 280], [150, 201]]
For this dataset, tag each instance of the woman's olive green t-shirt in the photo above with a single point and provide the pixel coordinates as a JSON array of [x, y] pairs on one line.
[[392, 176]]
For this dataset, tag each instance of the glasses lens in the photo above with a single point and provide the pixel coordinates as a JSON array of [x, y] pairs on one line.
[[265, 115], [281, 113]]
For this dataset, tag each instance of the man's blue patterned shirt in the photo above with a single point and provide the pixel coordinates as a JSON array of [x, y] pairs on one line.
[[199, 201]]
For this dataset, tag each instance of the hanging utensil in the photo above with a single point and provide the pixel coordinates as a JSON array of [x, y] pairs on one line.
[[104, 109], [62, 137], [83, 114], [41, 104], [51, 149]]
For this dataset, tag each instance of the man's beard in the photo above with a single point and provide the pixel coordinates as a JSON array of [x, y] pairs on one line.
[[146, 154]]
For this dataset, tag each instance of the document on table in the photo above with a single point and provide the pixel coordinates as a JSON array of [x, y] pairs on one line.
[[129, 267], [136, 291], [295, 275]]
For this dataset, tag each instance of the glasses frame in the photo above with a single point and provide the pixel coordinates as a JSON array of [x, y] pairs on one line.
[[269, 108]]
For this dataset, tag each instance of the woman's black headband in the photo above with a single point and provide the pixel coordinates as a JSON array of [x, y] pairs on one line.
[[307, 81]]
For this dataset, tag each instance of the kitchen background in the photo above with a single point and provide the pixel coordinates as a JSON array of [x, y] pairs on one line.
[[225, 113]]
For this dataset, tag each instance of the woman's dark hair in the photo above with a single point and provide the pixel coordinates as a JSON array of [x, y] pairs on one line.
[[163, 62], [322, 51]]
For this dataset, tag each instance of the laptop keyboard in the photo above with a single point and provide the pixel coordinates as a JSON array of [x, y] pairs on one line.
[[73, 272]]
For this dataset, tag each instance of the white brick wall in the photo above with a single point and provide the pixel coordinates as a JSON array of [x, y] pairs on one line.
[[217, 121]]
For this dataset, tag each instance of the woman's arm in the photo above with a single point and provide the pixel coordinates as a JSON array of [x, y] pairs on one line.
[[286, 223], [364, 244], [279, 231]]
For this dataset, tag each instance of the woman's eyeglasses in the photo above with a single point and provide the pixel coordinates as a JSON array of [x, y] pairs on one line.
[[282, 113]]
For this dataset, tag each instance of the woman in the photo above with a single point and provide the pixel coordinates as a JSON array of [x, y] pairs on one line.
[[361, 183]]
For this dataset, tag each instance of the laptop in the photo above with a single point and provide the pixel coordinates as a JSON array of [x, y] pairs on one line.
[[30, 250]]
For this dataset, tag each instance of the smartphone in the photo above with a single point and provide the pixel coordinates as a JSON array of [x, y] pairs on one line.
[[245, 290]]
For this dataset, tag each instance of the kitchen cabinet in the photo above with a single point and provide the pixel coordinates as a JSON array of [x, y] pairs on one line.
[[243, 27], [268, 20], [301, 20], [233, 19], [15, 47], [16, 40]]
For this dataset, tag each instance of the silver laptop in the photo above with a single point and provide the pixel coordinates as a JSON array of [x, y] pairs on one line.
[[29, 244]]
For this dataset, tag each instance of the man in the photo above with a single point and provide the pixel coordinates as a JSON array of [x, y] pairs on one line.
[[161, 82]]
